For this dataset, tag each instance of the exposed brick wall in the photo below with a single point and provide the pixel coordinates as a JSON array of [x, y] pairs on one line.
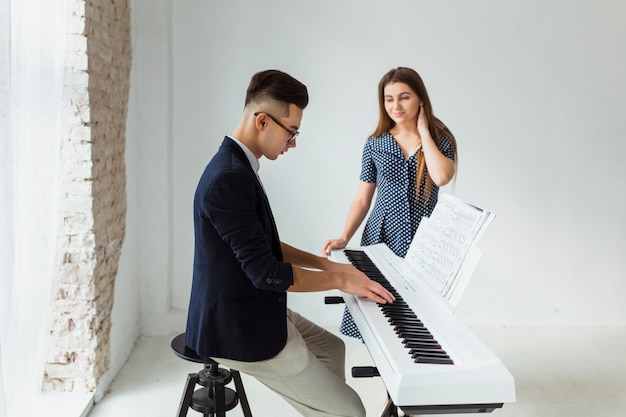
[[99, 60]]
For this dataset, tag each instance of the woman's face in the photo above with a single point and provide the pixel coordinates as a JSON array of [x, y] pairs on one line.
[[401, 103]]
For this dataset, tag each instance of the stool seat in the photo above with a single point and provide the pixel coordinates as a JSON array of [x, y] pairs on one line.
[[215, 399], [182, 351]]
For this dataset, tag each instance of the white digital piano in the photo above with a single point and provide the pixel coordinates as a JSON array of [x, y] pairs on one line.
[[429, 361]]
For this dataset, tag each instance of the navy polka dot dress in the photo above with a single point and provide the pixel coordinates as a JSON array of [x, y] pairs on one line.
[[398, 209]]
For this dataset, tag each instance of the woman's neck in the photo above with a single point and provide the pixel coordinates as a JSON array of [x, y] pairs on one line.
[[407, 138]]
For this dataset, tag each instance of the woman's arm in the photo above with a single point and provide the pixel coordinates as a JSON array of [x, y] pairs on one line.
[[440, 168], [358, 210]]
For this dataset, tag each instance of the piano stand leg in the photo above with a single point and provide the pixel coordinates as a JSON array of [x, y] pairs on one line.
[[390, 409]]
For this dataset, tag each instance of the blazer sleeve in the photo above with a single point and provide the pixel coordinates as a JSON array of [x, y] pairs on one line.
[[238, 210]]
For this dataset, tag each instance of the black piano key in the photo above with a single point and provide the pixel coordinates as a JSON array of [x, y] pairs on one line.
[[418, 343], [396, 312], [407, 323], [413, 334], [398, 305], [421, 345], [417, 338], [401, 314], [434, 361], [417, 353], [417, 330], [430, 359], [412, 329], [415, 342], [428, 352]]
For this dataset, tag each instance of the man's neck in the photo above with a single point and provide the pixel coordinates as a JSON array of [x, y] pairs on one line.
[[246, 134]]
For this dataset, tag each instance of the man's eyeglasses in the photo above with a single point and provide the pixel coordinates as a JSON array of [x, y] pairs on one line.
[[293, 133]]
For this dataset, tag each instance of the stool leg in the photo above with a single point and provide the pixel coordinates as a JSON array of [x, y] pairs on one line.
[[390, 410], [241, 393], [185, 401], [219, 394]]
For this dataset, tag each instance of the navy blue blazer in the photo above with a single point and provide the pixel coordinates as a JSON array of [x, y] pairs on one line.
[[238, 302]]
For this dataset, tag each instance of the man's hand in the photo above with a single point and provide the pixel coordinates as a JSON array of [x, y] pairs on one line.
[[357, 283]]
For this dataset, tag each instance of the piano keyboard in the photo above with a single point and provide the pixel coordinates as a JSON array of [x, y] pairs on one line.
[[429, 361], [420, 344]]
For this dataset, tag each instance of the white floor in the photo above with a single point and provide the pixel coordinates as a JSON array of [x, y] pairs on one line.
[[572, 372]]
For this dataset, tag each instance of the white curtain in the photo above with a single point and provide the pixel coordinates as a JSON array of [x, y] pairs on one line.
[[32, 128]]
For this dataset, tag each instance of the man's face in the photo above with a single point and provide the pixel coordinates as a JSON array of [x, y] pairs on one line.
[[281, 132]]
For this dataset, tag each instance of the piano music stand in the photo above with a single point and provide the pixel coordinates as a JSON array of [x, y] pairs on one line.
[[215, 399]]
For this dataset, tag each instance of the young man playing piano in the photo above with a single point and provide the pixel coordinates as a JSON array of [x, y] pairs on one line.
[[242, 272]]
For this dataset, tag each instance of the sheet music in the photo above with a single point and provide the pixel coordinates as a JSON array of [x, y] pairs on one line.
[[443, 250]]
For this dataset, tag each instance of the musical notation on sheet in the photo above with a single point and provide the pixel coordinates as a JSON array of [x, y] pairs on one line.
[[443, 250]]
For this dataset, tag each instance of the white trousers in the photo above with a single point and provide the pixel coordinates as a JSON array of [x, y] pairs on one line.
[[309, 372]]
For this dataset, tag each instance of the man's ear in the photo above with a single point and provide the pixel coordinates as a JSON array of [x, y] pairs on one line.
[[261, 121]]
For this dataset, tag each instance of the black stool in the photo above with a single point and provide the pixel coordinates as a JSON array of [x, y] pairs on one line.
[[215, 399]]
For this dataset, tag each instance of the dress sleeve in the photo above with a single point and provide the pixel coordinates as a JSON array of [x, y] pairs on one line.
[[446, 147], [368, 168]]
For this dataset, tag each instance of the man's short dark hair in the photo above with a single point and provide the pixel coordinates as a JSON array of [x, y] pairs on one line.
[[278, 86]]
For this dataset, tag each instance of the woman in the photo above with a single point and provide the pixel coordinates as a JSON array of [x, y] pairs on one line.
[[408, 157]]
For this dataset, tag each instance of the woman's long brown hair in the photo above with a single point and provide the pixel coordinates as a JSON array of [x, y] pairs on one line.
[[437, 128]]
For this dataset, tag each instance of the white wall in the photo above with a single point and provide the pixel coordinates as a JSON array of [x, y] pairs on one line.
[[533, 90]]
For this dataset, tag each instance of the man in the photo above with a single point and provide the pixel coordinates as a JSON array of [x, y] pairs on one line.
[[242, 272]]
